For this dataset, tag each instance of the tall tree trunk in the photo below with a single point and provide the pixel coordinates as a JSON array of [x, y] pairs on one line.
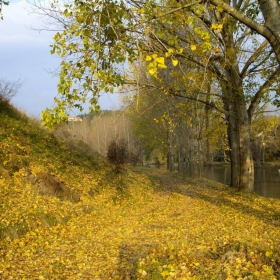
[[239, 131], [245, 152], [232, 131], [170, 163], [239, 122], [200, 151], [208, 157], [191, 146], [180, 147]]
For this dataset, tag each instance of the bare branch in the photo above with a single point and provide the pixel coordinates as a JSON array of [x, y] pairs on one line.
[[9, 89], [258, 96], [253, 58]]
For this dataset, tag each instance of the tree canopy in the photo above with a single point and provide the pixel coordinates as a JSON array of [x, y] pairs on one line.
[[99, 39]]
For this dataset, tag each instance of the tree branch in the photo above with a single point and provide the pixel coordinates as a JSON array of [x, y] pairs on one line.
[[265, 31], [258, 96], [253, 58]]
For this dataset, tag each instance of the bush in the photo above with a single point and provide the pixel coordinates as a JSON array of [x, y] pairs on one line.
[[4, 102], [117, 154], [7, 91]]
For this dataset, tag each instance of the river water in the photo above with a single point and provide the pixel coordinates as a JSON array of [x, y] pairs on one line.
[[267, 179]]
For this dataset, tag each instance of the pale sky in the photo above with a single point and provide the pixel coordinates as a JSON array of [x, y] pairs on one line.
[[25, 54]]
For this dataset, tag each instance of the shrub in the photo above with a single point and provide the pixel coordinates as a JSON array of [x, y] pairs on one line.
[[4, 102], [117, 154], [7, 91]]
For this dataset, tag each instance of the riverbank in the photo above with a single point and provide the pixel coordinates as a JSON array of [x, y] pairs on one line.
[[267, 177]]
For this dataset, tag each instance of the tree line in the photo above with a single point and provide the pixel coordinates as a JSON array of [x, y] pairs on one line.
[[146, 136]]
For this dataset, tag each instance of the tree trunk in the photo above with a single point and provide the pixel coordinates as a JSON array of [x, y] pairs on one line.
[[200, 152], [239, 132], [170, 163], [180, 147], [208, 157], [245, 152], [239, 122], [233, 146]]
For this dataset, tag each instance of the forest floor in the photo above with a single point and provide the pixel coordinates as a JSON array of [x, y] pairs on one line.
[[143, 223]]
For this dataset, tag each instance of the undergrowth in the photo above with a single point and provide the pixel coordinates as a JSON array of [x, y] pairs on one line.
[[142, 225]]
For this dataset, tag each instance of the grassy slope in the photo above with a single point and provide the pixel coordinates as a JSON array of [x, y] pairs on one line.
[[144, 224]]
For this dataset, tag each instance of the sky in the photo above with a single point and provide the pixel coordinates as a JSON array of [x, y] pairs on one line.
[[25, 55]]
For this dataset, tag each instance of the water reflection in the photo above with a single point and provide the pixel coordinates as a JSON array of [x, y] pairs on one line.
[[267, 179], [267, 182]]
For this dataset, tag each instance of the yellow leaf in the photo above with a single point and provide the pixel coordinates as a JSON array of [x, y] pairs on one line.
[[218, 27], [152, 71], [165, 273], [148, 58], [180, 50], [144, 273], [169, 52], [268, 253], [193, 47], [175, 62], [213, 26], [162, 66], [160, 60]]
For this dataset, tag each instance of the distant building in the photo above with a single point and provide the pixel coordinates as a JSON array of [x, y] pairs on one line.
[[75, 119]]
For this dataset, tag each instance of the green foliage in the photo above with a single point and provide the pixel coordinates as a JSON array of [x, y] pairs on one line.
[[100, 44]]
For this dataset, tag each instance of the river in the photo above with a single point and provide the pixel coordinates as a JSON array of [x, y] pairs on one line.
[[267, 179]]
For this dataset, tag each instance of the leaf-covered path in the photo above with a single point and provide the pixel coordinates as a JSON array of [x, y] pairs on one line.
[[153, 226]]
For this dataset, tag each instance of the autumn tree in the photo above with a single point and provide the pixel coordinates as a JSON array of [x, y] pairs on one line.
[[145, 112], [187, 133], [99, 38], [265, 137]]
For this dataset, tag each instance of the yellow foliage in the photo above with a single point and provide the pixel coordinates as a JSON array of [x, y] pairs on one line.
[[217, 27], [175, 62], [193, 47], [148, 58], [158, 227]]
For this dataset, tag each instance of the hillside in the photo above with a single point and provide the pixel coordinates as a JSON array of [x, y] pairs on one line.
[[66, 215]]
